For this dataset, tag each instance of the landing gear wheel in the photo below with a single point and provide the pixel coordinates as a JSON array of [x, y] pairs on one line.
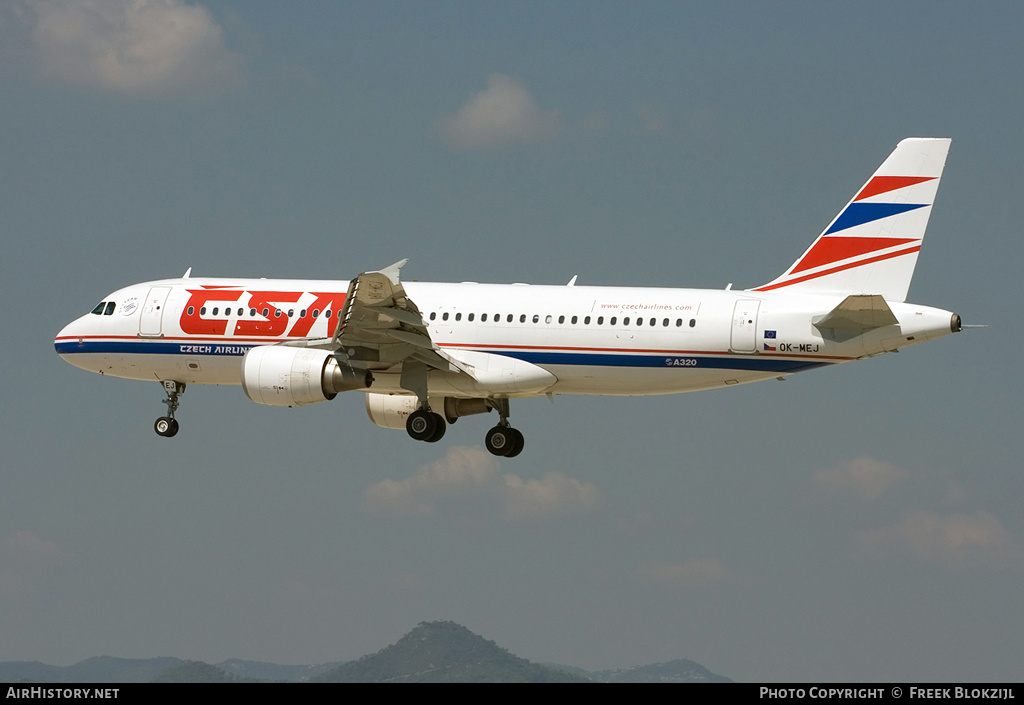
[[422, 425], [165, 426], [517, 445], [439, 431], [500, 440]]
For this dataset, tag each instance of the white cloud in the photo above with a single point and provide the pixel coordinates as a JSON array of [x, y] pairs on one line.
[[466, 483], [864, 477], [501, 115], [950, 540], [463, 470], [553, 494], [147, 47]]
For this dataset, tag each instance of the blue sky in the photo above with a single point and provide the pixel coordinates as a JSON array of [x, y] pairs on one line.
[[860, 523]]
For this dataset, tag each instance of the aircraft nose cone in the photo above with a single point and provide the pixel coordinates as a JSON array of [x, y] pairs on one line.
[[67, 340]]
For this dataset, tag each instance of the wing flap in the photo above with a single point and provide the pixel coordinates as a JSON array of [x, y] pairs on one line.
[[382, 329]]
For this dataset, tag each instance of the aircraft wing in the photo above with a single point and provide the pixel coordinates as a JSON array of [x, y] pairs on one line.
[[381, 327], [381, 330]]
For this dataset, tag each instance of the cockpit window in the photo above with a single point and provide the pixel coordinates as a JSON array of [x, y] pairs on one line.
[[110, 309], [98, 311]]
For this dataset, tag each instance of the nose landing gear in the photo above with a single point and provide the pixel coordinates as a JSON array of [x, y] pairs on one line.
[[167, 426]]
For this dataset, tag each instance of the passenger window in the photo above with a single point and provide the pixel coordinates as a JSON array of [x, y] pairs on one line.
[[612, 321], [536, 318], [99, 308], [561, 319], [600, 320], [202, 311], [586, 321], [327, 313], [266, 313], [693, 322], [110, 309], [509, 318], [458, 316], [574, 319], [191, 310], [483, 317], [433, 315], [252, 312], [625, 321], [302, 313], [522, 318], [444, 316], [291, 312], [277, 313], [470, 317], [215, 309], [547, 318], [665, 323], [679, 322], [654, 321], [639, 321]]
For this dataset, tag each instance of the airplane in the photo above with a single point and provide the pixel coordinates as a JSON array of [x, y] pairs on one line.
[[427, 354]]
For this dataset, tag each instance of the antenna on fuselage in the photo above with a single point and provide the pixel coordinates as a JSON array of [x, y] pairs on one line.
[[187, 272]]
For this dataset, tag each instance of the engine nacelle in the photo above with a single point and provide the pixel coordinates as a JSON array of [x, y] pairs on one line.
[[392, 410], [277, 375]]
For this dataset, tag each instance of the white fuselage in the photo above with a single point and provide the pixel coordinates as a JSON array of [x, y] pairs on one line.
[[592, 340]]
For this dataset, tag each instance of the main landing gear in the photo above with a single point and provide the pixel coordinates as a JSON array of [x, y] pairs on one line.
[[505, 441], [424, 425], [502, 440], [167, 426]]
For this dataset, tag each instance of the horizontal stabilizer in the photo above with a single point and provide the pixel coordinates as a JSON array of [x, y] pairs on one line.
[[858, 313]]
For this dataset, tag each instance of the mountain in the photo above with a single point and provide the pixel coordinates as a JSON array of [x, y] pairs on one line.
[[433, 652], [257, 670], [98, 669], [444, 652], [193, 672], [679, 671]]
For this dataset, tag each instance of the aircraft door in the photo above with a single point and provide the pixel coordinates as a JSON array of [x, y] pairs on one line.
[[744, 326], [151, 320]]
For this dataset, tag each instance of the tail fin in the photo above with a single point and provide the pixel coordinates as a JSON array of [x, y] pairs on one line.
[[871, 247]]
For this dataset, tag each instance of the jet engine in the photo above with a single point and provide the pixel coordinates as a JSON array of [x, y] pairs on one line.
[[277, 375]]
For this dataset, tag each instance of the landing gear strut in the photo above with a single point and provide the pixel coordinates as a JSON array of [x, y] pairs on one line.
[[167, 426], [422, 424], [503, 440]]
